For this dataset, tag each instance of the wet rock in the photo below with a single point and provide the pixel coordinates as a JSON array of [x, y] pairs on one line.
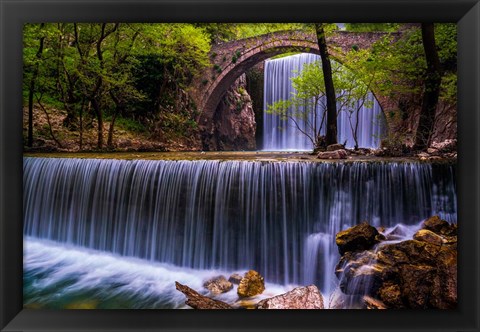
[[337, 154], [251, 284], [235, 278], [299, 298], [218, 285], [419, 273], [359, 237], [428, 236], [334, 147], [416, 283], [439, 226], [391, 295], [337, 299], [246, 304], [360, 273], [444, 293], [408, 251]]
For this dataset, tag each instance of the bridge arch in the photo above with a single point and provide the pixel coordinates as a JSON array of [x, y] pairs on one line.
[[231, 59]]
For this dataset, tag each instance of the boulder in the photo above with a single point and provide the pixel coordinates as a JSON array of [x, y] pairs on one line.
[[439, 226], [308, 297], [391, 295], [334, 147], [360, 273], [337, 154], [235, 278], [444, 292], [416, 283], [251, 284], [416, 273], [448, 145], [218, 285], [356, 238], [428, 236]]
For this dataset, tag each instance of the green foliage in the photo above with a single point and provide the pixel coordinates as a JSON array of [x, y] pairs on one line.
[[133, 70], [282, 55], [305, 104], [130, 125], [372, 27], [217, 68]]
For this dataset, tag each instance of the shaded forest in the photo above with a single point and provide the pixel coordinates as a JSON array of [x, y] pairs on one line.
[[114, 86]]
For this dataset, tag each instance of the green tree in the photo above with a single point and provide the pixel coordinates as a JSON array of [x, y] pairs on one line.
[[34, 64], [306, 108], [353, 94]]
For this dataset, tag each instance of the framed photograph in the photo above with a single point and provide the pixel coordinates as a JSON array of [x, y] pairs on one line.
[[159, 156]]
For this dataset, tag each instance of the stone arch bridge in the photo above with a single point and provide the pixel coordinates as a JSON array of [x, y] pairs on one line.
[[230, 60]]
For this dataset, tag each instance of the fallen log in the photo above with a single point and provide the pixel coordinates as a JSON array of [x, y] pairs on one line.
[[198, 301], [372, 303]]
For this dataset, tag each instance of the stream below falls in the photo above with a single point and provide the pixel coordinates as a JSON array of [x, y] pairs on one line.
[[119, 233]]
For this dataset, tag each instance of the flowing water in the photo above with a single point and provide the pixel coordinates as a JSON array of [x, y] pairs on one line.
[[123, 231], [282, 134]]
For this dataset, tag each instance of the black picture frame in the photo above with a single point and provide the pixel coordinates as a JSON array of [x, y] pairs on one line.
[[14, 13]]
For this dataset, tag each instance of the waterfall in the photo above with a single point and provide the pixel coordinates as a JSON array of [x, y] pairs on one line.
[[279, 218], [282, 134]]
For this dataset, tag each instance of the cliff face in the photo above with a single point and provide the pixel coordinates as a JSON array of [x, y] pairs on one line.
[[234, 125], [402, 113]]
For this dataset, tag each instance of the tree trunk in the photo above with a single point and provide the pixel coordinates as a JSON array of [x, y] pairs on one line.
[[31, 89], [98, 112], [198, 301], [331, 136], [110, 130], [432, 89]]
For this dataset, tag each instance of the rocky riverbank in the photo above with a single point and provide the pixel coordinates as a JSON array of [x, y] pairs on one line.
[[417, 273], [378, 269]]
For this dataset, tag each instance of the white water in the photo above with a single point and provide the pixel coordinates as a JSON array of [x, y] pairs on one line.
[[279, 218], [57, 275], [283, 135]]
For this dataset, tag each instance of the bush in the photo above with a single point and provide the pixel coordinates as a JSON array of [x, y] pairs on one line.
[[130, 125]]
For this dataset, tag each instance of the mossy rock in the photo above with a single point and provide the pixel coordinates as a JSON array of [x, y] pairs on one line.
[[251, 284]]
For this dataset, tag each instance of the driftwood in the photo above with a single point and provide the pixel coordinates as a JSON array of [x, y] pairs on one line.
[[373, 303], [198, 301]]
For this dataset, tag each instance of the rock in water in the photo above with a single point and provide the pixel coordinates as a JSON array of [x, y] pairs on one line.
[[235, 278], [439, 226], [413, 274], [251, 284], [337, 154], [218, 285], [299, 298], [356, 238], [428, 236]]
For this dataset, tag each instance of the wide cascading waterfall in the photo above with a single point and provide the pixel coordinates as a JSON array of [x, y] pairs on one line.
[[282, 134], [279, 218]]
